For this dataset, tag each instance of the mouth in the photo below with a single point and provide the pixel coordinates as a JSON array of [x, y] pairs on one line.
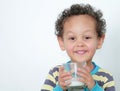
[[80, 52]]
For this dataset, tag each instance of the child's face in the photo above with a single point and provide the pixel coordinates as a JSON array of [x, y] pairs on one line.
[[80, 38]]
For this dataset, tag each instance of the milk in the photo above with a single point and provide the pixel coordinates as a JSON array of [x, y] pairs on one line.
[[75, 83], [75, 86]]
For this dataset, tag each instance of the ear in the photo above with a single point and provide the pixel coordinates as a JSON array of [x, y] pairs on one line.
[[61, 43], [100, 41]]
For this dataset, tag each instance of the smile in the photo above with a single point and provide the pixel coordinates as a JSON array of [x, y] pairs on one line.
[[81, 52]]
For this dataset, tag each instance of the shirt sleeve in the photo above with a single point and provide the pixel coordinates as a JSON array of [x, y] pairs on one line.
[[51, 80], [57, 88], [97, 88]]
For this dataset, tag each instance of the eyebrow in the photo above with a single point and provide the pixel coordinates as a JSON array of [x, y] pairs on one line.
[[87, 31]]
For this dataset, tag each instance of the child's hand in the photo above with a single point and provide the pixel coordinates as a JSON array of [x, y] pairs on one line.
[[63, 78], [86, 77]]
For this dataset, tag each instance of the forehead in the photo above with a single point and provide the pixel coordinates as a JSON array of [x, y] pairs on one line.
[[80, 24], [80, 18]]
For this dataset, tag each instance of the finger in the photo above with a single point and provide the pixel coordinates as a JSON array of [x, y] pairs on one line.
[[87, 80], [86, 68], [63, 76], [67, 77], [62, 72], [85, 76], [64, 80], [65, 84], [61, 69], [82, 72]]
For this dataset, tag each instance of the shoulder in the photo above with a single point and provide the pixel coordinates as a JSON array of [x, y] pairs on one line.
[[103, 75], [101, 72], [104, 78]]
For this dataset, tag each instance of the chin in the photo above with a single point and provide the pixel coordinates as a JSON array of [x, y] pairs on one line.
[[78, 61]]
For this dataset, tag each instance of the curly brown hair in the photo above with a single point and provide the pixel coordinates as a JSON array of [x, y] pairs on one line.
[[81, 9]]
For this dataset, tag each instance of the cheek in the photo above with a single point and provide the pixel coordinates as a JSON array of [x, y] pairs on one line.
[[92, 46], [69, 47]]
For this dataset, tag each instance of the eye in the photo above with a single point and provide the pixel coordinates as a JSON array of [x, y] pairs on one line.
[[88, 37], [72, 38]]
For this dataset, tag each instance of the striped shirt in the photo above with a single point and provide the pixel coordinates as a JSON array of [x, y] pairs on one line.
[[104, 80]]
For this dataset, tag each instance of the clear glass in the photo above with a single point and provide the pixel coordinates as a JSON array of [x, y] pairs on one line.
[[72, 68]]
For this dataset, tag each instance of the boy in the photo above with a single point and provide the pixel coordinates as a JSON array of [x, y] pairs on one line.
[[80, 32]]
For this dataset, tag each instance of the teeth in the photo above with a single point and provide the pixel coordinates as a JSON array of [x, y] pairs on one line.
[[80, 52]]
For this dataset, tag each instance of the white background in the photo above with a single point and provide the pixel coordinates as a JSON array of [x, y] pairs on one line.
[[29, 48]]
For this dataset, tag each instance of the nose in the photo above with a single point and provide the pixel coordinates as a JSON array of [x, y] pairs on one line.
[[80, 42]]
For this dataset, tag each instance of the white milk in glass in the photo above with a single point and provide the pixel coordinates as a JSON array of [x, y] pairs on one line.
[[75, 82]]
